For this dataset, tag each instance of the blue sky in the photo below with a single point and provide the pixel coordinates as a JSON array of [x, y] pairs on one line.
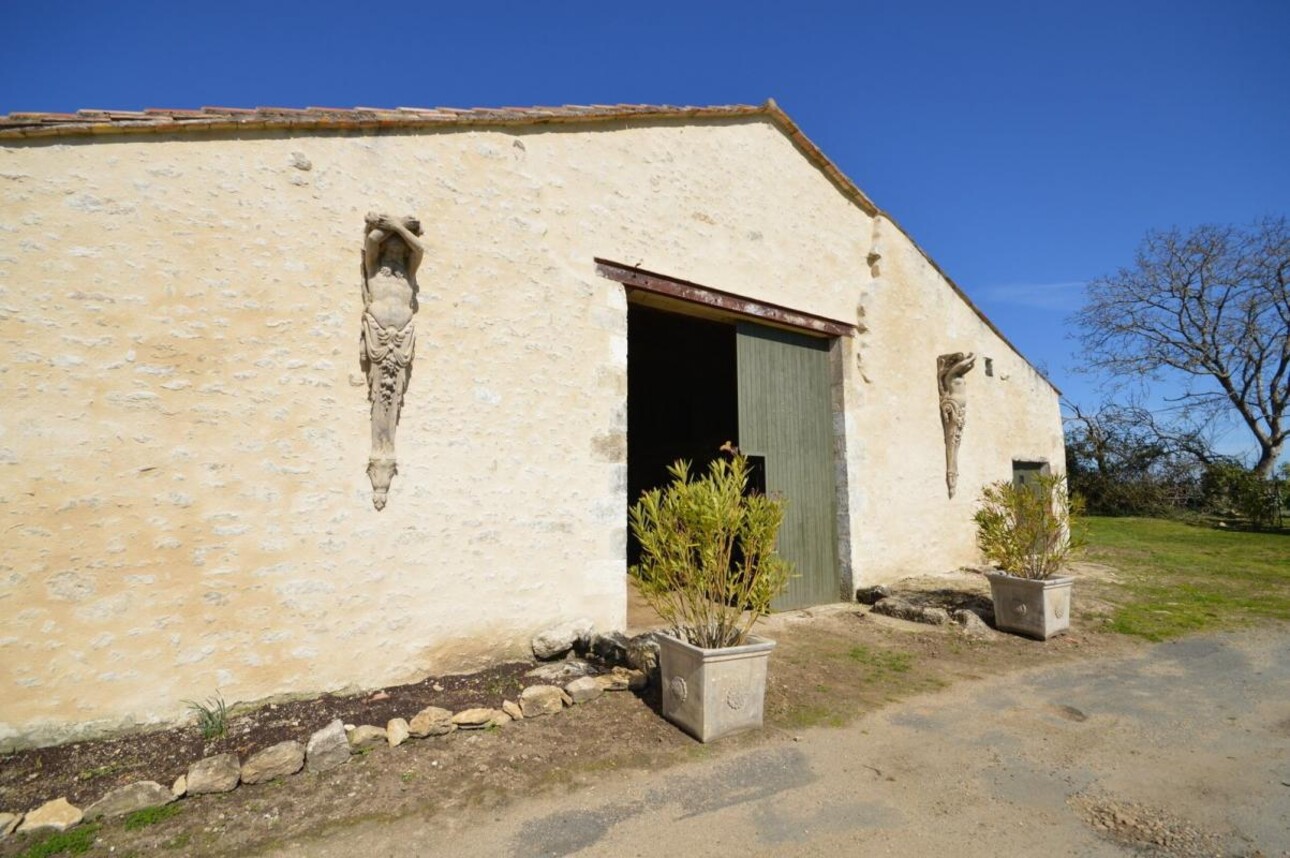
[[1026, 146]]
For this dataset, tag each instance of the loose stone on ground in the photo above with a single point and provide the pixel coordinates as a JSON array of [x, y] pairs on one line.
[[900, 609], [584, 690], [936, 617], [562, 671], [623, 679], [608, 648], [367, 737], [972, 623], [219, 773], [642, 653], [327, 748], [431, 721], [8, 822], [1140, 827], [872, 595], [397, 732], [128, 799], [475, 719], [538, 700], [555, 642], [278, 761], [57, 815]]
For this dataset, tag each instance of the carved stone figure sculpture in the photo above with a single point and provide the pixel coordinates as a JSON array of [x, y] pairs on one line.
[[391, 255], [950, 370]]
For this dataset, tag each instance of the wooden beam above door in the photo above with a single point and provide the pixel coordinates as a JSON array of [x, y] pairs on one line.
[[724, 303]]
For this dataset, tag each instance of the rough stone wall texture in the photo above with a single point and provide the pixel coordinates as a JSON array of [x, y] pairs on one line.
[[184, 435], [903, 520], [185, 426]]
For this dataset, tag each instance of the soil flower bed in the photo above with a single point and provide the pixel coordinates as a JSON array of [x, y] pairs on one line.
[[85, 771]]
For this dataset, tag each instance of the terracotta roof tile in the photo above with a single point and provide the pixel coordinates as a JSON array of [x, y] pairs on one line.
[[137, 120], [94, 121]]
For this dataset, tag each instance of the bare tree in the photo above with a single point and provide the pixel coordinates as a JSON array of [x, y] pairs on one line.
[[1213, 306], [1128, 439]]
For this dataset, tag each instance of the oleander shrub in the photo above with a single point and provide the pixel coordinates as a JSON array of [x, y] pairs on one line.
[[708, 564], [1029, 531]]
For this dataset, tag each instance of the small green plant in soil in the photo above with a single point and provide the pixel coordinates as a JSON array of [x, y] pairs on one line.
[[103, 771], [881, 661], [212, 716], [501, 686], [77, 841], [179, 841], [1177, 578], [150, 816]]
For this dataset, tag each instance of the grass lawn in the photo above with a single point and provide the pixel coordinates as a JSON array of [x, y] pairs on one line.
[[1179, 578]]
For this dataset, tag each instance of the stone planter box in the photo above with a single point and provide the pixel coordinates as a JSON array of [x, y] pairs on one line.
[[1034, 608], [710, 693]]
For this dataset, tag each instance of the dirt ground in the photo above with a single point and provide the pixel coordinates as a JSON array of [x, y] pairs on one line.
[[832, 664], [1174, 750]]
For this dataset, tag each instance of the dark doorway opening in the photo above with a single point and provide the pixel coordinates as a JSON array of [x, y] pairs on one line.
[[682, 396]]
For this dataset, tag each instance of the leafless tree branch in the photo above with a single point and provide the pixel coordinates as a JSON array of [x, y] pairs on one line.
[[1213, 305]]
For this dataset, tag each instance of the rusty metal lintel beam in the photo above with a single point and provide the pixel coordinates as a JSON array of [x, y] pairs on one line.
[[684, 290]]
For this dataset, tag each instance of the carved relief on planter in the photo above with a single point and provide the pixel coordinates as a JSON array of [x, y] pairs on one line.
[[391, 255], [950, 372]]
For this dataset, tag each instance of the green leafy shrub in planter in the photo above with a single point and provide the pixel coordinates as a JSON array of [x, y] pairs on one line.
[[1029, 531], [708, 564]]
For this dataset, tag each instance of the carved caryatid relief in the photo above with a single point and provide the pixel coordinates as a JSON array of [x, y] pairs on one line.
[[950, 370], [391, 255]]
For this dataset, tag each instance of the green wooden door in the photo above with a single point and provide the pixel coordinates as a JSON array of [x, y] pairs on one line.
[[785, 416]]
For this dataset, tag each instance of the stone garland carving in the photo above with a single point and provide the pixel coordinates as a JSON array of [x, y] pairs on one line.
[[950, 370], [391, 255]]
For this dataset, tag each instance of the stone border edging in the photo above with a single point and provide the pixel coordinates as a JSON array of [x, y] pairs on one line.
[[630, 662]]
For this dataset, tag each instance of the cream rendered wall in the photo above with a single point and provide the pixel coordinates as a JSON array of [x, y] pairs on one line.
[[185, 426], [903, 520]]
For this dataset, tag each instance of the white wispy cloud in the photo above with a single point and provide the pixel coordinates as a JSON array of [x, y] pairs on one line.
[[1041, 296]]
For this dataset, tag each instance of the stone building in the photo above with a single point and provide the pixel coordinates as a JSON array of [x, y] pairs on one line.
[[196, 306]]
